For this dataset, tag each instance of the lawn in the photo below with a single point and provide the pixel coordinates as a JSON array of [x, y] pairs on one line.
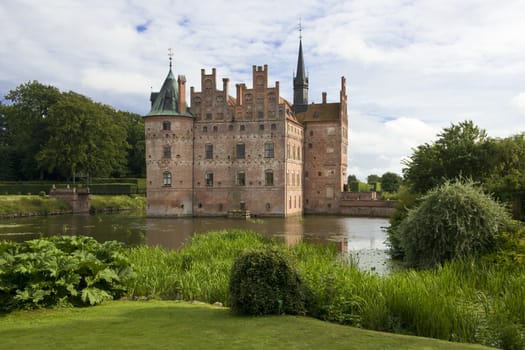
[[174, 325]]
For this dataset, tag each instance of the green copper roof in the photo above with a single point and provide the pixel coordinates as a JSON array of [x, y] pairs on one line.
[[166, 101]]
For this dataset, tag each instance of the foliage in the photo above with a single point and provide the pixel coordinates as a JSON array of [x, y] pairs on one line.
[[48, 134], [461, 150], [199, 271], [453, 221], [265, 282], [85, 137], [350, 179], [31, 204], [390, 182], [406, 199], [359, 187], [107, 202], [26, 127], [65, 270], [373, 178], [469, 300]]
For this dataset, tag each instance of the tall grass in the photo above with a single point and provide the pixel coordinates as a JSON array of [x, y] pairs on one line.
[[465, 301], [117, 202]]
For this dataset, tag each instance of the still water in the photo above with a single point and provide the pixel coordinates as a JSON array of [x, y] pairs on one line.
[[363, 238]]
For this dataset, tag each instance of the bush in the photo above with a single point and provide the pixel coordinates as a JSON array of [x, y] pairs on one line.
[[455, 220], [264, 282], [66, 270]]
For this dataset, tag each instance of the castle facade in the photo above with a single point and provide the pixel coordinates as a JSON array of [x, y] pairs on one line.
[[253, 151]]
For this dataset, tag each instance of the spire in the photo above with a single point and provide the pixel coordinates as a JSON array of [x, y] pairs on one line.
[[300, 81], [170, 100]]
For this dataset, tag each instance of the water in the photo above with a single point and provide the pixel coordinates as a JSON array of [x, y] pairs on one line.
[[364, 238]]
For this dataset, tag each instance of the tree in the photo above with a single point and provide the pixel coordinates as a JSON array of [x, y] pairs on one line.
[[454, 220], [351, 178], [85, 137], [461, 150], [390, 182], [136, 157], [373, 178], [26, 123]]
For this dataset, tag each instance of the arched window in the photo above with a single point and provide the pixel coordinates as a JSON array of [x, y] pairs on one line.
[[166, 179]]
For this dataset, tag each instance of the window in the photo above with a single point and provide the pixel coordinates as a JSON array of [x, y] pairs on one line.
[[268, 177], [230, 127], [240, 151], [208, 149], [260, 115], [166, 125], [166, 152], [261, 127], [166, 178], [208, 116], [241, 179], [274, 127], [241, 128], [268, 150], [204, 129], [215, 128], [209, 179]]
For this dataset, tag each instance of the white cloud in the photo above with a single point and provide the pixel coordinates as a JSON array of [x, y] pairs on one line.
[[519, 102], [413, 67]]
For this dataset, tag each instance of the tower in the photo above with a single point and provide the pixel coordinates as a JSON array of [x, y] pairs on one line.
[[300, 84], [169, 150]]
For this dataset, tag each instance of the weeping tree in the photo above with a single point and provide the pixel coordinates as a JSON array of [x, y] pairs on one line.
[[454, 220]]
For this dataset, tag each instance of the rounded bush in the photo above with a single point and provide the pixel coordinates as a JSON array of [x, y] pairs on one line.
[[264, 282], [452, 221]]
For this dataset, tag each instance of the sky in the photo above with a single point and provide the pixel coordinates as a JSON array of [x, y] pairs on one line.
[[412, 67]]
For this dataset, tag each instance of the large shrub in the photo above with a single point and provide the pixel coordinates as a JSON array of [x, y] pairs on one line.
[[265, 282], [452, 221], [66, 270]]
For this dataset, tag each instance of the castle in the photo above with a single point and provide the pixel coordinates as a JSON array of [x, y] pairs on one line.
[[254, 152]]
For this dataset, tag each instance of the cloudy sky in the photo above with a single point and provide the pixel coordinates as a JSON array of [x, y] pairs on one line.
[[412, 67]]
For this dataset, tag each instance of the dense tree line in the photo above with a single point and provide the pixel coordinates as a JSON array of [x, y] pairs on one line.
[[46, 134], [465, 151]]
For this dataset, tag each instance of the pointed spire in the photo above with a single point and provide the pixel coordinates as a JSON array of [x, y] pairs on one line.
[[300, 81]]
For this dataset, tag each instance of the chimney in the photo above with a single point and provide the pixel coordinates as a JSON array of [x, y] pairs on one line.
[[239, 94], [225, 88], [324, 97], [182, 94]]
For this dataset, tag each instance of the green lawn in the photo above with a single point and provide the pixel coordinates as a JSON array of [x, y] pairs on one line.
[[172, 325]]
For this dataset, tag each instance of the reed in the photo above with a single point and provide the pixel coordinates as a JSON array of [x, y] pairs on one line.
[[464, 301]]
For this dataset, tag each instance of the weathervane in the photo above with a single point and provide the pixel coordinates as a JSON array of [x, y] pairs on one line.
[[170, 55], [300, 30]]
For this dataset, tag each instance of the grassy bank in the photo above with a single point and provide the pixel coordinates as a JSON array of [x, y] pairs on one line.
[[31, 205], [462, 301], [118, 202], [170, 325]]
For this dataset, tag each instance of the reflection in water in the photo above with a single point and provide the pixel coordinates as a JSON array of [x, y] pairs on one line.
[[364, 237]]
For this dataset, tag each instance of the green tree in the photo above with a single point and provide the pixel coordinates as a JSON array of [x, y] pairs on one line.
[[85, 137], [461, 150], [454, 220], [373, 178], [26, 124], [390, 182], [136, 157]]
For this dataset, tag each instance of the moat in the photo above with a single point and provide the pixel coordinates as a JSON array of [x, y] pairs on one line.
[[364, 238]]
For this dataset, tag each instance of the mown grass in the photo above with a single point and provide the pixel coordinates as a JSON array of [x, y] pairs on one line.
[[31, 205], [117, 202], [172, 325], [461, 301]]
